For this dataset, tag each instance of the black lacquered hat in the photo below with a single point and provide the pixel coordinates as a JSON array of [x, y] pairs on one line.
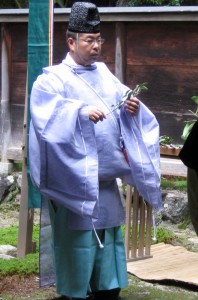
[[84, 18]]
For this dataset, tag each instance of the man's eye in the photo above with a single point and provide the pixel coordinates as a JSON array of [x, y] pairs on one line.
[[89, 41]]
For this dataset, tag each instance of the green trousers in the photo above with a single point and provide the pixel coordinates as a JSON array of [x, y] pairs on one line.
[[80, 264], [192, 189]]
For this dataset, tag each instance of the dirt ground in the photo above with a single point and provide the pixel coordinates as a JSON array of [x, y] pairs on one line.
[[24, 287], [27, 287]]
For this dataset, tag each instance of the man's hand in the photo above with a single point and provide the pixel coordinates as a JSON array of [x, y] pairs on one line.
[[132, 105], [96, 115]]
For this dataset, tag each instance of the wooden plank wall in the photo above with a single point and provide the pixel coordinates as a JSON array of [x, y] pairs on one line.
[[164, 54]]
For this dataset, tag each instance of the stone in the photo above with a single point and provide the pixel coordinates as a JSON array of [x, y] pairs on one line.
[[175, 206], [8, 250], [9, 187], [6, 168], [8, 257]]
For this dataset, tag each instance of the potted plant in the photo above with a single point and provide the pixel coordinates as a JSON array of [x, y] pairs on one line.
[[167, 147]]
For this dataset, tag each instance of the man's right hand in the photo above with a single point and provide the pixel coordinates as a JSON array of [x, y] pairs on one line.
[[96, 115]]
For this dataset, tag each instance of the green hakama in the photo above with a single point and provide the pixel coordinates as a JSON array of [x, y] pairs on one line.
[[80, 264]]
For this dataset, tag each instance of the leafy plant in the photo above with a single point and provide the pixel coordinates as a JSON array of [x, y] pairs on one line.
[[14, 4], [22, 3], [164, 235], [190, 123], [134, 93], [165, 140], [155, 2]]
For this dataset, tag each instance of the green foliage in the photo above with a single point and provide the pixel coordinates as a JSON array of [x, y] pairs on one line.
[[155, 2], [165, 140], [189, 124], [17, 166], [130, 93], [8, 207], [62, 3], [175, 183], [9, 236], [28, 265], [186, 222], [68, 3], [22, 3], [14, 4], [164, 236]]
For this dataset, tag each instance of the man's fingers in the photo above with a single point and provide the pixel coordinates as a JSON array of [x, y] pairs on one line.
[[132, 106], [96, 115]]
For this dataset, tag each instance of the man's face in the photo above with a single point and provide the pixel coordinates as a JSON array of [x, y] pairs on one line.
[[86, 48]]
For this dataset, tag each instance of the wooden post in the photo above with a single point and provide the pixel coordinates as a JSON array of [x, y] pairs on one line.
[[5, 101], [141, 227], [135, 199], [26, 215], [148, 231], [120, 57], [128, 220]]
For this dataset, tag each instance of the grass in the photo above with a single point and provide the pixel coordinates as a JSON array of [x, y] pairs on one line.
[[138, 289], [174, 183], [28, 265]]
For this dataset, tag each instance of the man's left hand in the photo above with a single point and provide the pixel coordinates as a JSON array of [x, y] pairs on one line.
[[132, 106]]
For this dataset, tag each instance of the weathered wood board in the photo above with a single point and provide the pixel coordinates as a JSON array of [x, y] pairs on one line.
[[167, 263]]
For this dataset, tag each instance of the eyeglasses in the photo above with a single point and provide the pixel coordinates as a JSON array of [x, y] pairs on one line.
[[92, 42]]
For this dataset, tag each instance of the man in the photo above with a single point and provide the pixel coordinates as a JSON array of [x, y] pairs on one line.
[[77, 138]]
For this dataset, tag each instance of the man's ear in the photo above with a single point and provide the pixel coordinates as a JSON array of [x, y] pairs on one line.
[[71, 43]]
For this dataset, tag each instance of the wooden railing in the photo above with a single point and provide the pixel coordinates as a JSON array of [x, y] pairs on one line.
[[138, 226], [139, 213]]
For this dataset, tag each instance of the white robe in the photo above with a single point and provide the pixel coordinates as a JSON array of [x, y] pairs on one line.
[[70, 155]]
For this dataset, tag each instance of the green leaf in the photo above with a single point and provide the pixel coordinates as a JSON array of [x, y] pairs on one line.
[[187, 129], [60, 3], [165, 140], [195, 99], [143, 86], [132, 92]]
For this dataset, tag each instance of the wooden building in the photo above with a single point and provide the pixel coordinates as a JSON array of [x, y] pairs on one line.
[[157, 45]]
